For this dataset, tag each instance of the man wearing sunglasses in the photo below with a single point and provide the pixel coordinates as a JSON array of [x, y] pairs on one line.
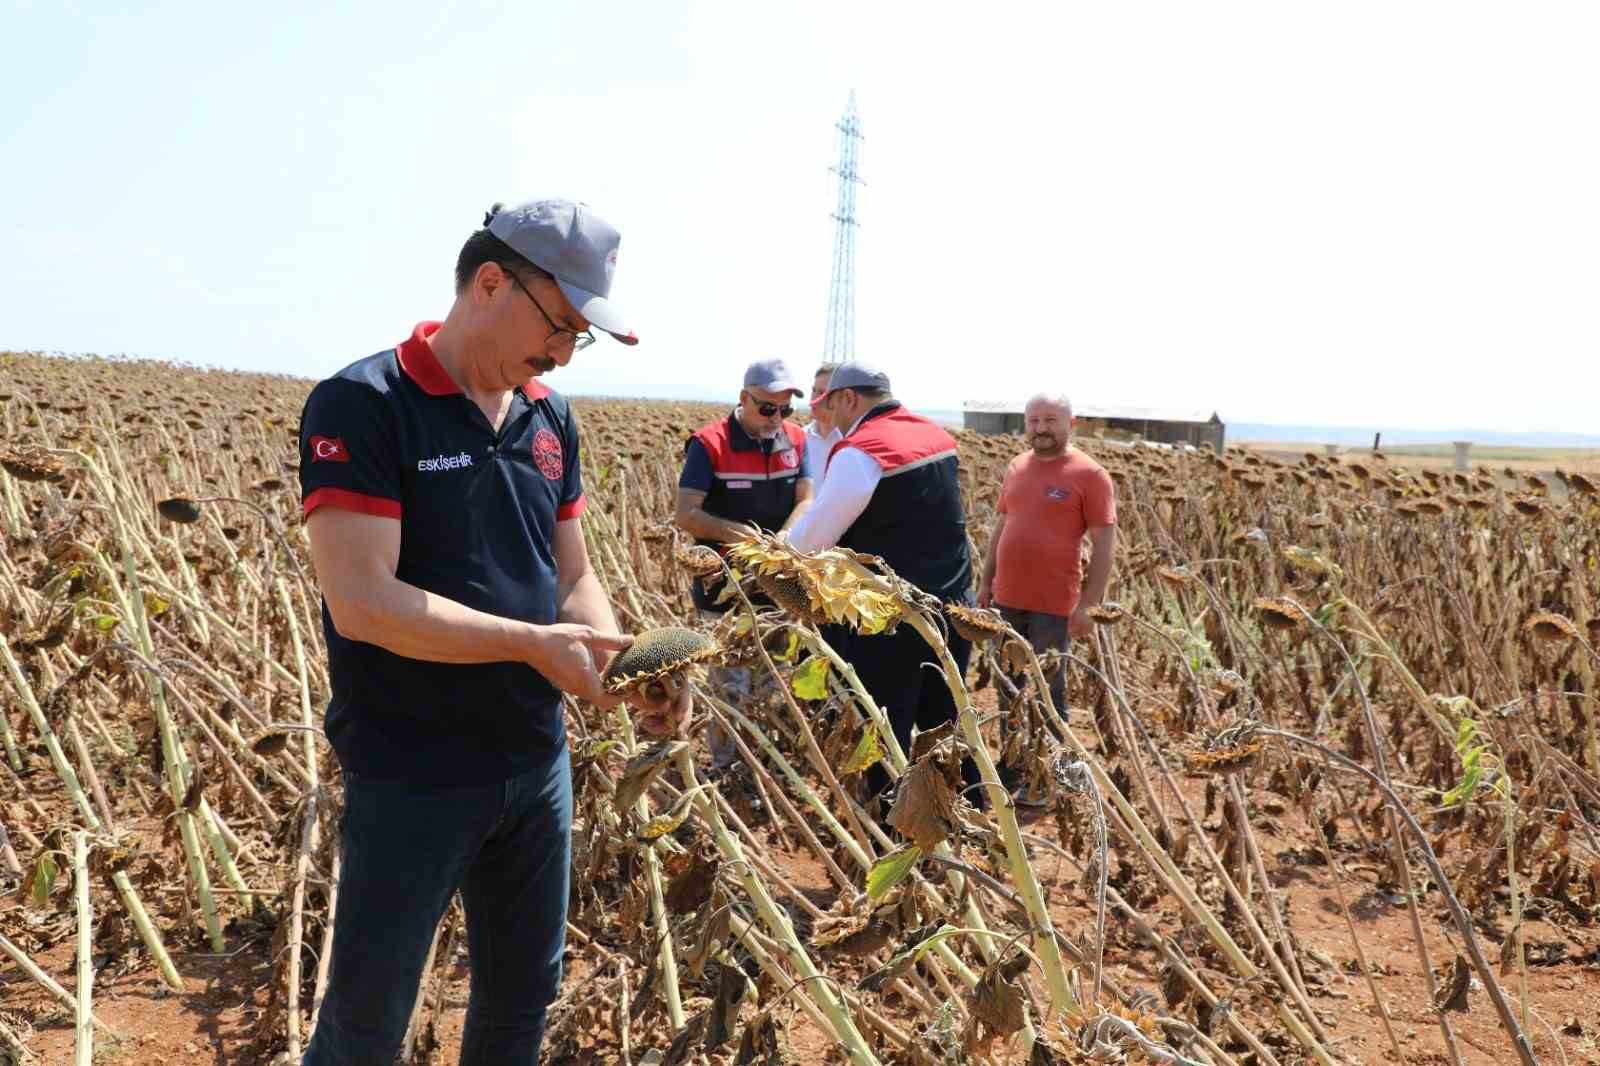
[[742, 473]]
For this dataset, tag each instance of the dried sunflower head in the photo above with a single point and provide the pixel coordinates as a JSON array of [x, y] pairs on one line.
[[35, 464], [838, 586], [1228, 680], [1176, 576], [789, 592], [655, 654], [1108, 613], [1230, 749], [977, 624], [1280, 612], [181, 509], [1549, 626], [699, 560]]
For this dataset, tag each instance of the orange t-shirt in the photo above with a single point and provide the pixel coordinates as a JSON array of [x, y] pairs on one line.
[[1049, 504]]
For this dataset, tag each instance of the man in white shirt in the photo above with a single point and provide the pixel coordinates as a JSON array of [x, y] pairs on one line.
[[821, 433], [892, 490]]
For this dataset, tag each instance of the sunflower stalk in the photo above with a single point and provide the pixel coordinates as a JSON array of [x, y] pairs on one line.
[[733, 718], [658, 909], [1004, 811], [69, 779], [1166, 870], [1458, 914], [173, 757], [83, 1017], [1397, 842], [809, 741], [832, 1006]]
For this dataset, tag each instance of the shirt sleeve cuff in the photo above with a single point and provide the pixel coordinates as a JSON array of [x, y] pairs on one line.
[[573, 509], [345, 500]]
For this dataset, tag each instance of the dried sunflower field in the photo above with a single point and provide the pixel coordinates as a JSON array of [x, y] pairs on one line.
[[1327, 787]]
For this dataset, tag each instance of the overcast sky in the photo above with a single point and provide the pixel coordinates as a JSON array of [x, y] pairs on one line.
[[1360, 213]]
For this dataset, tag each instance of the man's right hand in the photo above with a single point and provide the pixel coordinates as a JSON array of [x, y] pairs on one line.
[[564, 654], [985, 593]]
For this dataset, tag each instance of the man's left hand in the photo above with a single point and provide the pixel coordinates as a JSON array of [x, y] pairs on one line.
[[663, 706], [1080, 623]]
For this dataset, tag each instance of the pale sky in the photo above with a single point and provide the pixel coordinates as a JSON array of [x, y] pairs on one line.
[[1381, 214]]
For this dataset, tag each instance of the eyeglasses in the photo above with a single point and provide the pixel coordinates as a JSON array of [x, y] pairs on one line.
[[769, 409], [579, 341]]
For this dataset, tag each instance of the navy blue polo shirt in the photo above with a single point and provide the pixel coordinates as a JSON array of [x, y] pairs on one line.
[[392, 435]]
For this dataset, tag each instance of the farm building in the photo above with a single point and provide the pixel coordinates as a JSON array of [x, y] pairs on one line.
[[1161, 425]]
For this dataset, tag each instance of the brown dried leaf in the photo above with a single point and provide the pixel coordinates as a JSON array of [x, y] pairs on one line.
[[692, 885], [724, 1012], [1454, 995], [925, 803], [642, 769]]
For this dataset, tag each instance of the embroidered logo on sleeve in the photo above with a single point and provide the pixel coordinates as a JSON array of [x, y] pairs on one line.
[[331, 449], [547, 454]]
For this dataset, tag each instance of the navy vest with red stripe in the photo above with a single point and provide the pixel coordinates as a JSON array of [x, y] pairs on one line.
[[915, 520], [750, 483]]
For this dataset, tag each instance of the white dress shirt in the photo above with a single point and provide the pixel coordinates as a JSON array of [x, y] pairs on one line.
[[817, 448], [852, 478]]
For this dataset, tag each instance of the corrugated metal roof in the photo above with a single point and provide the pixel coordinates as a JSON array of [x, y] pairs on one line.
[[1099, 410]]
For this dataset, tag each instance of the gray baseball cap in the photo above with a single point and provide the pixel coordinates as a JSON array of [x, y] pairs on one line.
[[576, 246], [858, 376], [772, 375]]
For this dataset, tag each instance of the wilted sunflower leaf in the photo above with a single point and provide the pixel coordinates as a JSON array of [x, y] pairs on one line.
[[810, 680], [44, 879], [662, 824], [902, 960], [924, 804], [868, 752], [891, 870], [642, 769], [1454, 995]]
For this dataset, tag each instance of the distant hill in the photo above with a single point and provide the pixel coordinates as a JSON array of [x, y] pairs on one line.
[[1353, 436]]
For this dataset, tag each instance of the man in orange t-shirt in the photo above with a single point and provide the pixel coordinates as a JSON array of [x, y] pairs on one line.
[[1053, 495]]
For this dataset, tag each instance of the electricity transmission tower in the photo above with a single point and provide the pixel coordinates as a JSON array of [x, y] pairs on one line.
[[839, 339]]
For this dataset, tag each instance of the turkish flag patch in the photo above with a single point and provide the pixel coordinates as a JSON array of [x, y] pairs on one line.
[[331, 449]]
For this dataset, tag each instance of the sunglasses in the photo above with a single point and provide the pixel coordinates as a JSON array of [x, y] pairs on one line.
[[769, 409]]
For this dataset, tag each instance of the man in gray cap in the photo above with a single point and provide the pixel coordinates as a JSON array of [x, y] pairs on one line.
[[742, 473], [441, 488], [892, 489]]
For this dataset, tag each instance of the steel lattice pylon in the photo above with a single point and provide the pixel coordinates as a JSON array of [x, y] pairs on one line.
[[839, 339]]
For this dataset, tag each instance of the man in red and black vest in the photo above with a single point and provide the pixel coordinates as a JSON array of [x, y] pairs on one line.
[[746, 471], [892, 490], [742, 473]]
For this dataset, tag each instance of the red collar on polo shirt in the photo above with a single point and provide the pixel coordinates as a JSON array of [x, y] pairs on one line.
[[416, 358]]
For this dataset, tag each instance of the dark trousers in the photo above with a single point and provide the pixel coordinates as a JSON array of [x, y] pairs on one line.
[[406, 849], [1044, 632], [891, 669]]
